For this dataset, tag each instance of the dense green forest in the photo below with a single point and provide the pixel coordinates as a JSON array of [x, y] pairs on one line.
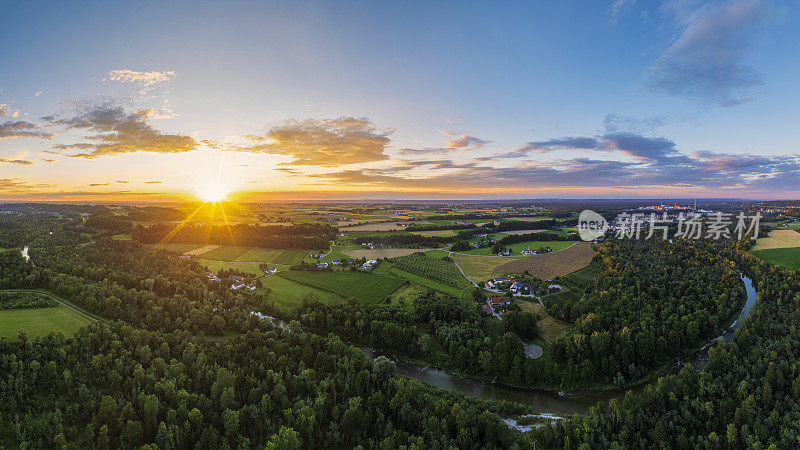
[[180, 360]]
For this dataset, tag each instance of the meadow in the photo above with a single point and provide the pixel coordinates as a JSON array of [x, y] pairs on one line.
[[780, 238], [367, 288], [41, 321], [289, 294], [787, 257]]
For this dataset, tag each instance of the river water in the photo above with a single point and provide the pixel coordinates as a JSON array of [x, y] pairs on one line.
[[545, 402]]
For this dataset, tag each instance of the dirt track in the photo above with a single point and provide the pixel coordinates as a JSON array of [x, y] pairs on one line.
[[551, 265]]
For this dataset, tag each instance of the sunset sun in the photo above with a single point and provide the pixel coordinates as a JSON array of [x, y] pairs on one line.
[[213, 192]]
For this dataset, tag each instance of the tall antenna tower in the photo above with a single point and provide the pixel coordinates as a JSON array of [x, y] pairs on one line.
[[695, 203]]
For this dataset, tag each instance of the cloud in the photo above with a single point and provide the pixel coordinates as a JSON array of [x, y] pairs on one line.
[[613, 123], [99, 184], [153, 182], [115, 131], [706, 59], [23, 129], [122, 182], [140, 78], [325, 142], [463, 142], [48, 160], [21, 162], [6, 111], [640, 147], [15, 185], [617, 7]]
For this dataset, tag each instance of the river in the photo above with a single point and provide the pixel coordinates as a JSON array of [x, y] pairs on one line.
[[546, 402]]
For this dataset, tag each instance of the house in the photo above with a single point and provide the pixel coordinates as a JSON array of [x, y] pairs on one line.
[[322, 265], [486, 309], [554, 287], [271, 271], [211, 276], [500, 301]]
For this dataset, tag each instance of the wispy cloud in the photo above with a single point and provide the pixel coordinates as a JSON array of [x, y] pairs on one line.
[[140, 78], [19, 162], [5, 110], [707, 57], [617, 7], [23, 129]]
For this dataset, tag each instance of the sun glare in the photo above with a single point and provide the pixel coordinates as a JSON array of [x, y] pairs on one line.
[[213, 193]]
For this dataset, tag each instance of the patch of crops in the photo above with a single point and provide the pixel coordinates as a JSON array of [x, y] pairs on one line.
[[436, 269]]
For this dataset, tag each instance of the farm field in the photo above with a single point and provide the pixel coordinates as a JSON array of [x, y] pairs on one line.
[[551, 265], [367, 288], [41, 321], [259, 254], [379, 253], [478, 268], [531, 219], [519, 246], [216, 266], [787, 257], [224, 253], [518, 232], [778, 239], [435, 233], [289, 294], [382, 226], [429, 283], [434, 268]]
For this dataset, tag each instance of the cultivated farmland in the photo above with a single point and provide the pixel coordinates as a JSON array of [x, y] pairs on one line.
[[551, 265], [778, 239], [367, 288], [437, 269]]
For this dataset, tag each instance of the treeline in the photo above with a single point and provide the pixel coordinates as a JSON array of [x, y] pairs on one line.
[[748, 396], [651, 303], [303, 236], [25, 300], [439, 329], [39, 229], [541, 236], [115, 386], [513, 225]]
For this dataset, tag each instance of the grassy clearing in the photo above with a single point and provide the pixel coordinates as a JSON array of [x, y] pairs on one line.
[[435, 233], [550, 328], [289, 294], [340, 252], [478, 268], [225, 253], [367, 288], [778, 239], [41, 321], [216, 266], [787, 257]]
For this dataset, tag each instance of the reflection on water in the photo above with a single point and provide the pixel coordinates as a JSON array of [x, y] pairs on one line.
[[544, 401]]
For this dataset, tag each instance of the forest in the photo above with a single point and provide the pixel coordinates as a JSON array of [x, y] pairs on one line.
[[181, 361], [301, 236]]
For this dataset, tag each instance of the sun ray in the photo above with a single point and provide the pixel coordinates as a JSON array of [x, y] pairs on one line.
[[180, 226]]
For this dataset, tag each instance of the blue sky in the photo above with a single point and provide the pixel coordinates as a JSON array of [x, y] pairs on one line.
[[403, 99]]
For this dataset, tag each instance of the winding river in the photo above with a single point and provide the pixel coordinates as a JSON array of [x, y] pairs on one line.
[[546, 401]]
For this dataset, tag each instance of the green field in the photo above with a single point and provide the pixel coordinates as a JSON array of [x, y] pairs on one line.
[[287, 293], [216, 266], [787, 257], [424, 281], [339, 252], [519, 246], [260, 254], [367, 288], [290, 257], [225, 253], [41, 321]]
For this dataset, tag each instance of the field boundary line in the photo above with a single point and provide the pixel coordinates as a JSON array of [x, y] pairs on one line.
[[91, 316]]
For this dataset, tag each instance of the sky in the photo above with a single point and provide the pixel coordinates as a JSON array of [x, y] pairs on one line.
[[272, 101]]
